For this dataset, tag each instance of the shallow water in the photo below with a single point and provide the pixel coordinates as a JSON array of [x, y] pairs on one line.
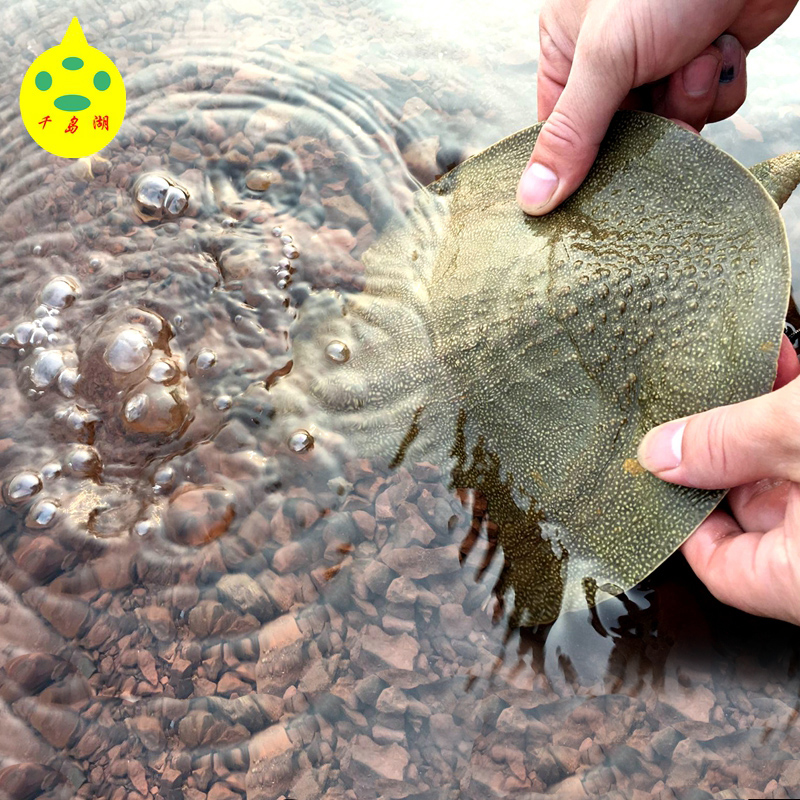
[[191, 609]]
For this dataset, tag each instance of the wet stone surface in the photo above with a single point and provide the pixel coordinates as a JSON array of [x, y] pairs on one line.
[[192, 607]]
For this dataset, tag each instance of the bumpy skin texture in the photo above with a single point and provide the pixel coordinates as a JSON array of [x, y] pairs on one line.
[[530, 355]]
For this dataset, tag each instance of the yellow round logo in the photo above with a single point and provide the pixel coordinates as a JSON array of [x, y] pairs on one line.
[[72, 97]]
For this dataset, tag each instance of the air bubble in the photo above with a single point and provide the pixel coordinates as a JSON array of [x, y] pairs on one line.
[[129, 351], [223, 402], [204, 360], [59, 292], [67, 381], [164, 478], [135, 407], [51, 471], [276, 231], [162, 372], [175, 202], [46, 368], [149, 193], [290, 251], [37, 250], [38, 334], [143, 527], [301, 441], [155, 408], [84, 461], [42, 514], [22, 487], [286, 239], [22, 333], [338, 352]]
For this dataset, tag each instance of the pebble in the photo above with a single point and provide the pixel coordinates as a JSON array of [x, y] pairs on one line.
[[369, 760], [197, 516], [259, 180], [418, 562]]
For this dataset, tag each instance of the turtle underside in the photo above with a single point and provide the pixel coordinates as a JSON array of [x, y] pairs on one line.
[[528, 356]]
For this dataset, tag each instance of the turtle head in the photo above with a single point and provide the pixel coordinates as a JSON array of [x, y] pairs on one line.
[[779, 176]]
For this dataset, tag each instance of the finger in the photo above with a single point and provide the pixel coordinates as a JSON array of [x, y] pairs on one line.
[[756, 572], [685, 125], [788, 364], [555, 61], [559, 25], [764, 18], [732, 86], [692, 90], [570, 138], [730, 445], [760, 506]]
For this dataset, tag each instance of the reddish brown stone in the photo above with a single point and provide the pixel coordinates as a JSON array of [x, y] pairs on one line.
[[378, 650], [289, 558], [137, 776], [370, 760], [419, 562], [159, 620], [198, 515]]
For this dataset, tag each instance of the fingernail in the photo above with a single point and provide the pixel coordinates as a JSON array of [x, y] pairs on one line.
[[731, 57], [536, 187], [700, 75], [660, 449]]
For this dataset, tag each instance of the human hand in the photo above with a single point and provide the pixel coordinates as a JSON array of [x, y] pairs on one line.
[[750, 559], [655, 55]]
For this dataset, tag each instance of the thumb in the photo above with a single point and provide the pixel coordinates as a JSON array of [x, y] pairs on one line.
[[730, 445], [568, 142]]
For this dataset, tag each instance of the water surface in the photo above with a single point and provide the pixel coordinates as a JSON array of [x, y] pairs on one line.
[[190, 609]]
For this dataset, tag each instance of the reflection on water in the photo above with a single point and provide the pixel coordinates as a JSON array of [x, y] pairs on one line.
[[192, 609]]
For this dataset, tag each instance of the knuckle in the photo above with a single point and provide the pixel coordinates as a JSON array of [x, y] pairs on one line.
[[562, 133], [548, 47], [712, 446], [556, 45]]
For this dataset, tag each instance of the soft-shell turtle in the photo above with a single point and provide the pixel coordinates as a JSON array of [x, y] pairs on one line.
[[530, 355]]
